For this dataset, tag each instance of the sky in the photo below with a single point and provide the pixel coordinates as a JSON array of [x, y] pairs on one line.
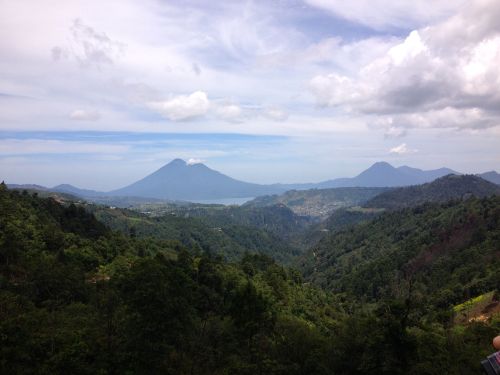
[[101, 93]]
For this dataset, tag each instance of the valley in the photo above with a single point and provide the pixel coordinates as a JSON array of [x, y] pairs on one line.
[[341, 269]]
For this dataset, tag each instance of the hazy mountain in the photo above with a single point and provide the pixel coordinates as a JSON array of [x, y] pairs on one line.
[[491, 176], [66, 188], [440, 190], [27, 187], [382, 174], [44, 192], [183, 181]]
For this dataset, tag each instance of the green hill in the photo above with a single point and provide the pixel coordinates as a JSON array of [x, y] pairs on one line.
[[218, 230], [441, 190], [447, 253]]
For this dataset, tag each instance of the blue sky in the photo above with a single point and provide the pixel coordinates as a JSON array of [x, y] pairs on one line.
[[99, 94]]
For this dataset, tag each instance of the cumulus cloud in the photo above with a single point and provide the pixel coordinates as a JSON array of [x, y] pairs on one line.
[[444, 75], [402, 149], [334, 89], [84, 115], [183, 107]]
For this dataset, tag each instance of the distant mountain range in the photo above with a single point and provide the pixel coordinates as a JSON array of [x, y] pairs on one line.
[[179, 180], [383, 174]]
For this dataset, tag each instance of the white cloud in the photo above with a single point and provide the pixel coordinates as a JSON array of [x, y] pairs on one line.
[[334, 89], [443, 76], [192, 161], [183, 107], [402, 149], [412, 47], [84, 115]]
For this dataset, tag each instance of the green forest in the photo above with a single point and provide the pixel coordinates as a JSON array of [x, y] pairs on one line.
[[88, 290]]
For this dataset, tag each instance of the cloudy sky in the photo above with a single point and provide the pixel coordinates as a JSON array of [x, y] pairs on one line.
[[100, 93]]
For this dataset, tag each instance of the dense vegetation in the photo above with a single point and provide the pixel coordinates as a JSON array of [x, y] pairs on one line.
[[446, 252], [440, 190], [277, 219], [226, 231], [339, 220], [78, 298]]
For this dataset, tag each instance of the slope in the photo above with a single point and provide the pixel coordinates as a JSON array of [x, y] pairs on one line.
[[447, 253], [226, 232], [441, 190]]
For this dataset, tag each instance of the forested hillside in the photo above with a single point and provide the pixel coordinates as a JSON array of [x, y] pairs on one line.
[[337, 221], [277, 218], [216, 230], [443, 253], [441, 190], [78, 298]]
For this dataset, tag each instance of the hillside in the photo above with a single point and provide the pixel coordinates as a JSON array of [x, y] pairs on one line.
[[441, 190], [339, 220], [318, 202], [448, 253], [214, 233]]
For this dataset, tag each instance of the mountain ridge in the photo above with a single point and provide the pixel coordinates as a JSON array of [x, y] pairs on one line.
[[179, 180], [383, 174]]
